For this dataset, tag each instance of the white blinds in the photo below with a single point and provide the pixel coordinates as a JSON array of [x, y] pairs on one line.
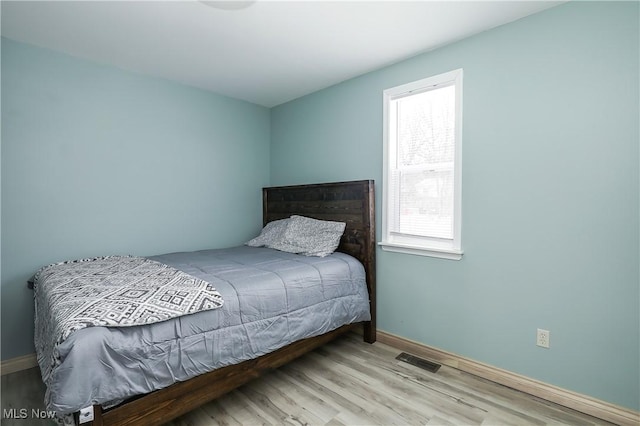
[[422, 170]]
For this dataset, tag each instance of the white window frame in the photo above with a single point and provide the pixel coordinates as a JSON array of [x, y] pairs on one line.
[[425, 246]]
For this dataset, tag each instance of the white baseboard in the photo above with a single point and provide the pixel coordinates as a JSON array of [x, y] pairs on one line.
[[20, 363], [584, 404]]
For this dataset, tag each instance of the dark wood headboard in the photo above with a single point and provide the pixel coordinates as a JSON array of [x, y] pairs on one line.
[[350, 202]]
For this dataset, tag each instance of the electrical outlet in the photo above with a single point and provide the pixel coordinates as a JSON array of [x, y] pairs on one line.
[[542, 338]]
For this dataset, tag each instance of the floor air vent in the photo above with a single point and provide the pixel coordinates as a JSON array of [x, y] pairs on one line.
[[419, 362]]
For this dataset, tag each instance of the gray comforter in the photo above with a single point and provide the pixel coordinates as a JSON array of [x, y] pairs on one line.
[[271, 299]]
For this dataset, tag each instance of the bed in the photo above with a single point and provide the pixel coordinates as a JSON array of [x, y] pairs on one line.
[[152, 373]]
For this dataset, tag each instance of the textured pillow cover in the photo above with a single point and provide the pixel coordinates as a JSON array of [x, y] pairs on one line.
[[301, 235], [272, 233], [312, 237]]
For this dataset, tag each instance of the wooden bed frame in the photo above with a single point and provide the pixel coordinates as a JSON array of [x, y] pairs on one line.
[[350, 202]]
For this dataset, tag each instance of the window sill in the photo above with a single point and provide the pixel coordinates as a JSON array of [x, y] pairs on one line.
[[440, 253]]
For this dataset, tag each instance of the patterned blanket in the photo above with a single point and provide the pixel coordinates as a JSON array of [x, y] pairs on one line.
[[111, 291]]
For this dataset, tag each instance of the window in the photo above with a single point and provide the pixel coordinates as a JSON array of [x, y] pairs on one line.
[[422, 167]]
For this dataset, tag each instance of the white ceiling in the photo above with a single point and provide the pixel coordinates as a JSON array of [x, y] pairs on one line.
[[267, 53]]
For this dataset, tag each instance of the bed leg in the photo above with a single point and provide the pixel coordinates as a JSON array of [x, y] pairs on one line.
[[97, 415], [369, 332]]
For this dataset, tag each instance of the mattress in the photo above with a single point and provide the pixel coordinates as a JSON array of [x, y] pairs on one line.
[[271, 299]]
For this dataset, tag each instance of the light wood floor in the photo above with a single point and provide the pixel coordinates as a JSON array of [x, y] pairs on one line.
[[348, 382]]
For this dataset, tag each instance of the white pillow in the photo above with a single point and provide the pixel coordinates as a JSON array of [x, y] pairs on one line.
[[272, 233], [312, 237], [301, 235]]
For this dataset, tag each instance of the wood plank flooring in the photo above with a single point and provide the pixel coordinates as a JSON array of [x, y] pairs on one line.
[[347, 382]]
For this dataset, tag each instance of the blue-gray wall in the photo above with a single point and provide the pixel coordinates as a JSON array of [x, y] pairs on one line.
[[550, 196], [99, 161]]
